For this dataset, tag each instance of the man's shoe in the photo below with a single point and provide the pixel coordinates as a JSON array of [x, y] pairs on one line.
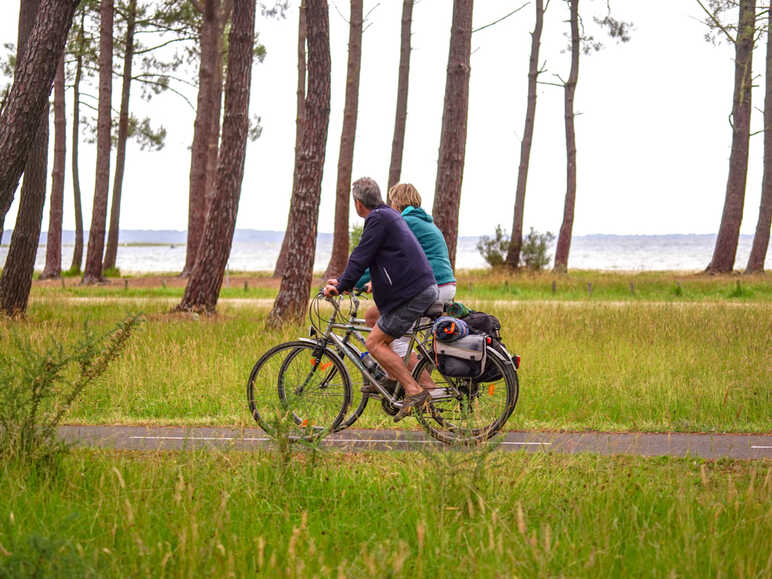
[[419, 401], [370, 388]]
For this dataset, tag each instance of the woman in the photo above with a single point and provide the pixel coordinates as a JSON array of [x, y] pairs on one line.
[[405, 199]]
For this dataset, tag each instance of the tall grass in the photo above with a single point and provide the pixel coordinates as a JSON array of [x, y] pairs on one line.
[[584, 365], [38, 386], [195, 514]]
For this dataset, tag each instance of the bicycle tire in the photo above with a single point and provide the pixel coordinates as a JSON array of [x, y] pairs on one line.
[[303, 381], [463, 417]]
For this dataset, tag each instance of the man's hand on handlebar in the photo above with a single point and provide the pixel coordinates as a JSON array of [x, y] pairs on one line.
[[331, 289]]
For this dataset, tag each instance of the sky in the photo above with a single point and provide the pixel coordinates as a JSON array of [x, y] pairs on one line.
[[653, 133]]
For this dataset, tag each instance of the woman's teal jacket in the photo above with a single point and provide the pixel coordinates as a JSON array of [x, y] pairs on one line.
[[431, 240]]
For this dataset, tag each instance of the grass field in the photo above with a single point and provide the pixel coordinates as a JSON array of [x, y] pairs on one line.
[[608, 364], [649, 356], [401, 515]]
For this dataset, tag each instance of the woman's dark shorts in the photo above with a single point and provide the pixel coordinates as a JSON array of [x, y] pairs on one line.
[[401, 319]]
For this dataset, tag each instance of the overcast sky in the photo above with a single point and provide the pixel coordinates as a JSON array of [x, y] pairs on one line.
[[653, 135]]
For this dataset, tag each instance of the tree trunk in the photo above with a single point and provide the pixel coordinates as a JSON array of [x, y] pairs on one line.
[[450, 166], [761, 239], [281, 261], [201, 131], [16, 279], [290, 304], [111, 252], [566, 228], [213, 148], [398, 141], [96, 237], [729, 231], [28, 97], [77, 254], [53, 268], [340, 242], [17, 273], [203, 287], [516, 240]]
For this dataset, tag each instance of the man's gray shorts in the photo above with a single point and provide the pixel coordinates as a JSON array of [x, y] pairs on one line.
[[401, 319]]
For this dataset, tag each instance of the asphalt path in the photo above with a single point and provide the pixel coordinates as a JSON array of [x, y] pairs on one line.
[[710, 446]]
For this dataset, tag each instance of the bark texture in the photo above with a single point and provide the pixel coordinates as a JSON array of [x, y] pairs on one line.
[[201, 133], [77, 254], [340, 241], [725, 250], [53, 268], [566, 228], [16, 278], [398, 141], [281, 261], [205, 281], [96, 236], [761, 238], [111, 251], [450, 165], [516, 240], [290, 304], [28, 97]]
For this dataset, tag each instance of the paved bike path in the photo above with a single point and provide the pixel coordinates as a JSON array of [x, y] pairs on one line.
[[712, 446]]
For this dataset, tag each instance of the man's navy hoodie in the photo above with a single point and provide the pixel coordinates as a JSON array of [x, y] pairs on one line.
[[398, 265]]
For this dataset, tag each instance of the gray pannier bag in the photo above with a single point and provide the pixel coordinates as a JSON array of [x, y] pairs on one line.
[[464, 357]]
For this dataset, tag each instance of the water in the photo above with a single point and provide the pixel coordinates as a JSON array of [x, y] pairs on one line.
[[258, 250]]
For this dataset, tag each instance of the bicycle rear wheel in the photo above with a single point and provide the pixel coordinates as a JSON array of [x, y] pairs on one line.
[[299, 388], [469, 412]]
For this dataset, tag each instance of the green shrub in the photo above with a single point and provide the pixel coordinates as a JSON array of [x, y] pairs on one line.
[[38, 385], [533, 253], [494, 250], [355, 235]]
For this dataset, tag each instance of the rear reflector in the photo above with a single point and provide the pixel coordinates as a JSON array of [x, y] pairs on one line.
[[516, 360]]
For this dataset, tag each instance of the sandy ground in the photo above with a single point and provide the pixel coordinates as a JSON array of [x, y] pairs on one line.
[[150, 281]]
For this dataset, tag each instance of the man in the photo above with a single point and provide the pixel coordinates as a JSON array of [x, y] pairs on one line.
[[405, 199], [403, 283]]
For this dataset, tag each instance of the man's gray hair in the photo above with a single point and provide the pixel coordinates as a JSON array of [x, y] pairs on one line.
[[367, 192]]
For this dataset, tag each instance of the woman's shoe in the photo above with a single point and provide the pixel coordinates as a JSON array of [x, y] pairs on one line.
[[419, 401]]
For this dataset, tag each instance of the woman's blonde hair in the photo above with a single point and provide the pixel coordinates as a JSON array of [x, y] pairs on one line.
[[404, 194]]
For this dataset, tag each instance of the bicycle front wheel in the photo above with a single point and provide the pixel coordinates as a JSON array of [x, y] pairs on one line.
[[467, 412], [300, 389]]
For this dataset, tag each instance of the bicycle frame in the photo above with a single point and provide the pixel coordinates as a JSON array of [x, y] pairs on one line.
[[355, 327]]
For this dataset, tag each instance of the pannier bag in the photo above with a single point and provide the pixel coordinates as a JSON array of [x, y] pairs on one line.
[[464, 357], [448, 329], [480, 323]]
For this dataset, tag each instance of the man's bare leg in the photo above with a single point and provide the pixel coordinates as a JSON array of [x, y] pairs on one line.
[[378, 345], [425, 380]]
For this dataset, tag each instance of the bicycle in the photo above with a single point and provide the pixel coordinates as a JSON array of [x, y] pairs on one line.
[[313, 385]]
